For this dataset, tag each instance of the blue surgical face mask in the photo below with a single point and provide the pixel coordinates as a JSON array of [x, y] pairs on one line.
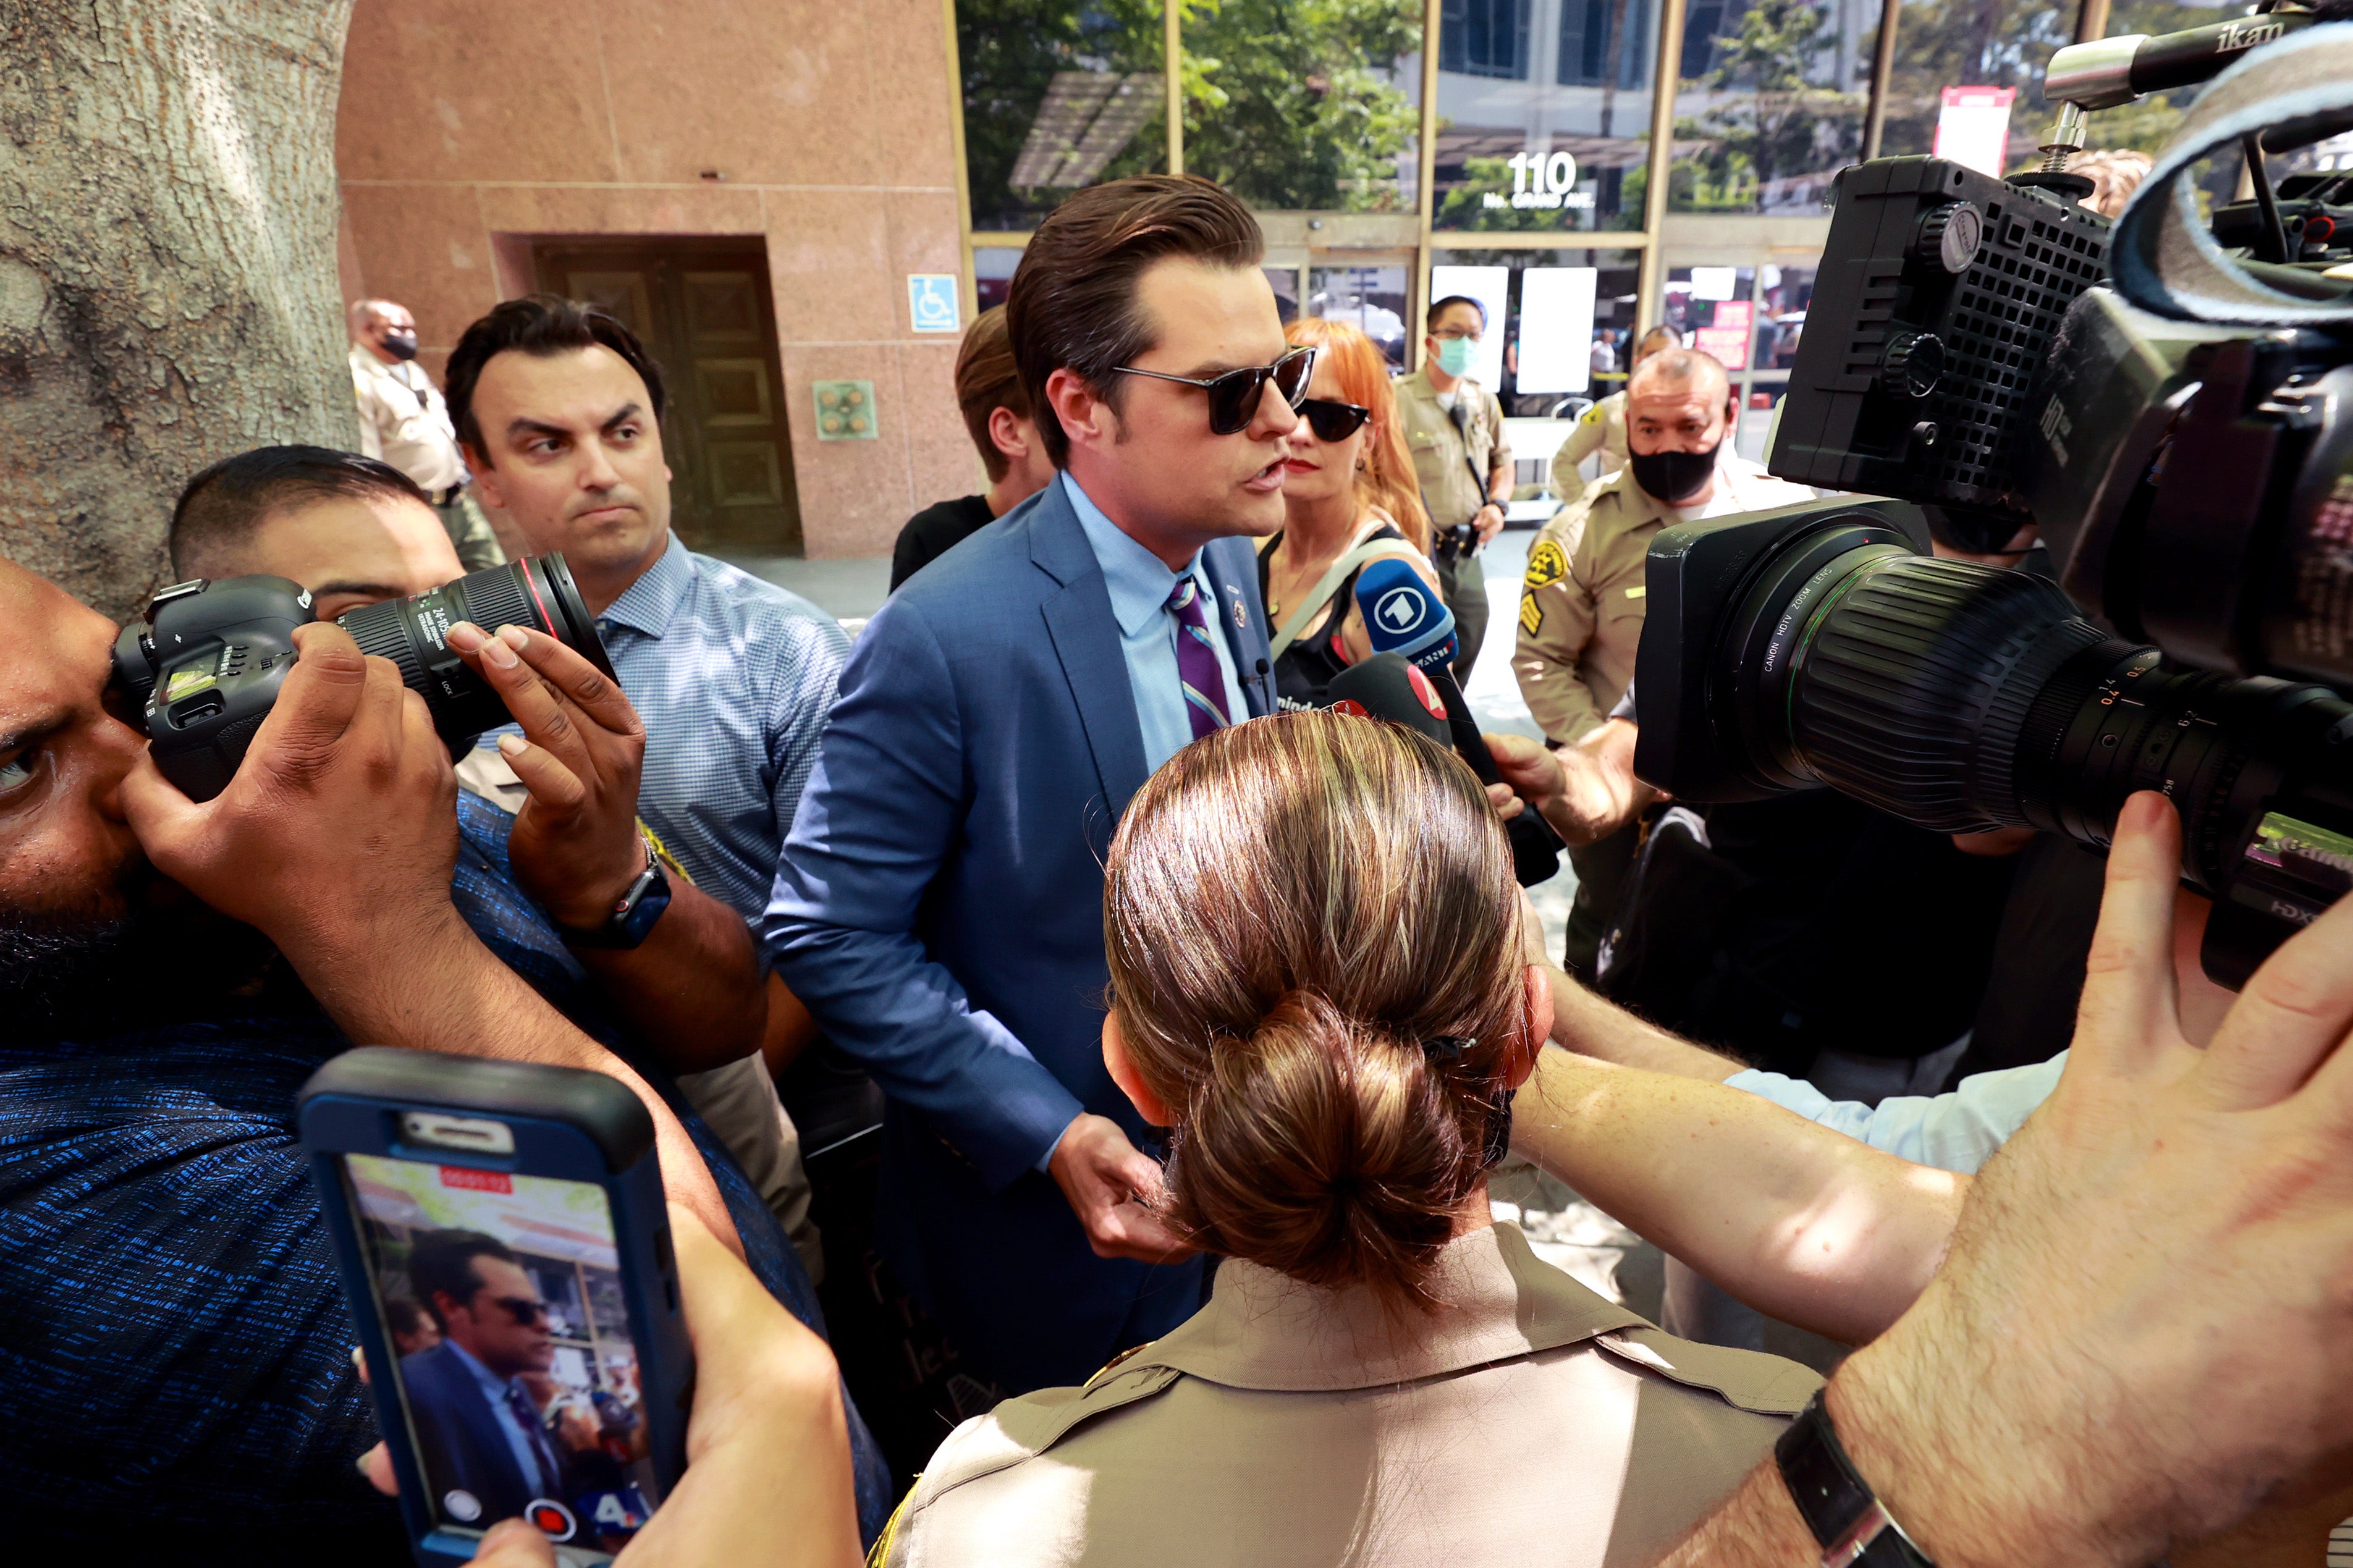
[[1454, 355]]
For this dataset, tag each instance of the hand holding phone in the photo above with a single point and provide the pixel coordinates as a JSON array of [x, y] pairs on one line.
[[509, 1265], [768, 1439]]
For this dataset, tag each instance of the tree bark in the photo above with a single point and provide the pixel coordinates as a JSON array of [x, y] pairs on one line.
[[168, 293]]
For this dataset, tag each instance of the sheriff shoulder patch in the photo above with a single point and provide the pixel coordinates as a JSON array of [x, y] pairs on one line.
[[1547, 563], [1592, 416]]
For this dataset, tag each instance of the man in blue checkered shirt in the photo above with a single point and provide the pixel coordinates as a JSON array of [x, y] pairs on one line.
[[559, 407]]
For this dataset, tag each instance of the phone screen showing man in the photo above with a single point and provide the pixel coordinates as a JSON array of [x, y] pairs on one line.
[[501, 1297]]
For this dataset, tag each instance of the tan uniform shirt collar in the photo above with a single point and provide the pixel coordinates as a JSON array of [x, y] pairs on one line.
[[1265, 1330]]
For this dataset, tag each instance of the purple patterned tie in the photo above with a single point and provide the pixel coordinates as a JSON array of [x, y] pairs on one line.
[[1196, 661]]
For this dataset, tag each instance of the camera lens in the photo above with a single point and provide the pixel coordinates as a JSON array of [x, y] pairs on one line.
[[536, 591], [1962, 697]]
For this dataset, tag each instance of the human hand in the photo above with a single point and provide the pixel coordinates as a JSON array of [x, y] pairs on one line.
[[767, 1437], [2144, 1321], [1489, 521], [1113, 1187], [338, 835], [1531, 774], [574, 845], [1585, 791]]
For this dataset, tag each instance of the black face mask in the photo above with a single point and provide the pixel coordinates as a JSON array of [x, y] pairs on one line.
[[1670, 476], [400, 345]]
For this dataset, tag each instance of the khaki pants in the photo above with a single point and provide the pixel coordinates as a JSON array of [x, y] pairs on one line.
[[470, 530], [1464, 585], [739, 1103]]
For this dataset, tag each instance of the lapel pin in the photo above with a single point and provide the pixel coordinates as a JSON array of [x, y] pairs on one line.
[[1241, 615]]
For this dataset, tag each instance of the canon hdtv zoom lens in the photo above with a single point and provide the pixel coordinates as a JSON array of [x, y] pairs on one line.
[[536, 591], [1963, 698]]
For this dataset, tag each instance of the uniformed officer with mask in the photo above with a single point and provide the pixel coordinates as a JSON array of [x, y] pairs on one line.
[[1602, 427], [1581, 609], [404, 423], [1454, 428]]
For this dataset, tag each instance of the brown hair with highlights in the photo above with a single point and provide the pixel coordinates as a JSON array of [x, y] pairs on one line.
[[1293, 909]]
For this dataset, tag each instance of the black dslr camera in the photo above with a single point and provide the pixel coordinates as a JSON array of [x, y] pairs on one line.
[[207, 661], [2182, 433]]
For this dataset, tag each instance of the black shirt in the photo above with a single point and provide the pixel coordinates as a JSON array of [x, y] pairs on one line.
[[1308, 667], [933, 531]]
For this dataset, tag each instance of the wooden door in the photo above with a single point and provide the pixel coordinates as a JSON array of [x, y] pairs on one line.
[[702, 308]]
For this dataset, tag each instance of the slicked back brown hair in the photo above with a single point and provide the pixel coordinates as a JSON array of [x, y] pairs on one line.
[[987, 379], [1073, 299]]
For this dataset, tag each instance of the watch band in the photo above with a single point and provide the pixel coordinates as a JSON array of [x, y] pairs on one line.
[[1849, 1521], [632, 916]]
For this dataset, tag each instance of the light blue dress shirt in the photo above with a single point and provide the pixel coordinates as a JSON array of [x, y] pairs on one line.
[[1957, 1130], [733, 678], [526, 1455], [1140, 584]]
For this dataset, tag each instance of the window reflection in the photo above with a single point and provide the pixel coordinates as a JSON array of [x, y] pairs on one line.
[[1714, 307], [1370, 299], [1057, 95], [1544, 113], [1306, 107], [1782, 296], [1568, 327], [1774, 95], [1982, 43], [992, 272]]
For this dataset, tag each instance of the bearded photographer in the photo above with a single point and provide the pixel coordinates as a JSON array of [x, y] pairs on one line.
[[1581, 609], [170, 972]]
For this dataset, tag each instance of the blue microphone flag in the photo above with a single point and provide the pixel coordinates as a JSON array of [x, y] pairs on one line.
[[1404, 614]]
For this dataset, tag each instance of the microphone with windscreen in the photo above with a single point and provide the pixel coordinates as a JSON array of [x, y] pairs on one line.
[[1412, 661]]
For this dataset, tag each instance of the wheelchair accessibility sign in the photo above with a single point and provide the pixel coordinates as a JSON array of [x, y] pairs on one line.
[[931, 302]]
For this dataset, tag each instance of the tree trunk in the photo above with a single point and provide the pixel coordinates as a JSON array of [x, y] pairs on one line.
[[168, 293]]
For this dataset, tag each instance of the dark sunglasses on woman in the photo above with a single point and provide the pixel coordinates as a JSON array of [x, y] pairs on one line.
[[1334, 422], [1233, 396]]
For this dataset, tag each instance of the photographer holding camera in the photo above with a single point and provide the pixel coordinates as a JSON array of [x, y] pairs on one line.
[[170, 972], [351, 531]]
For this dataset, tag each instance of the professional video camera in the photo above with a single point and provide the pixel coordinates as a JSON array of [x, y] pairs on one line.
[[2180, 432]]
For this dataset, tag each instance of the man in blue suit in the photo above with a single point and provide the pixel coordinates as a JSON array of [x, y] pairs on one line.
[[939, 905], [485, 1452]]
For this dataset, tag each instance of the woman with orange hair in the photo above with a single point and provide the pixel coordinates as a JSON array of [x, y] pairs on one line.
[[1349, 499]]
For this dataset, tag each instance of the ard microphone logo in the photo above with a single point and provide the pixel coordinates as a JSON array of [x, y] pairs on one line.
[[1400, 610]]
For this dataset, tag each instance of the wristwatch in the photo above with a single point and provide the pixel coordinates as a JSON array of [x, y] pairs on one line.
[[631, 917], [1838, 1505]]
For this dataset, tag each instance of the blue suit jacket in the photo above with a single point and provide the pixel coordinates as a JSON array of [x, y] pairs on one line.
[[459, 1437], [939, 909]]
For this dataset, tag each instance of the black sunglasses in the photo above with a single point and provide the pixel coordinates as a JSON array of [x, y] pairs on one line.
[[523, 1309], [1334, 421], [1233, 396]]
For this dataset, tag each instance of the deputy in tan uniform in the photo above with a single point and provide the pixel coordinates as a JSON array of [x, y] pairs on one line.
[[405, 422], [1383, 1376], [1454, 428], [1581, 607], [1602, 427]]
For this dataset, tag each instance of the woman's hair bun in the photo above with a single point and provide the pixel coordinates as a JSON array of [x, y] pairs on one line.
[[1318, 1150]]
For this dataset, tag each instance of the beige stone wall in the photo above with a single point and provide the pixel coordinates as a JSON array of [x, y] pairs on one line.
[[467, 126]]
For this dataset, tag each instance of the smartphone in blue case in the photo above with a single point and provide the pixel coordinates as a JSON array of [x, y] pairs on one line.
[[507, 1255]]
